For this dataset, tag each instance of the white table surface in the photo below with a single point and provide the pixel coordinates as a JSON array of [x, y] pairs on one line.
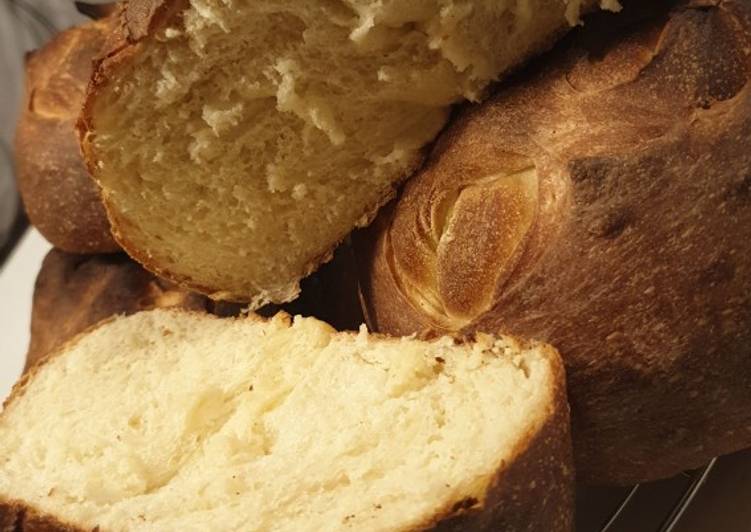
[[16, 289]]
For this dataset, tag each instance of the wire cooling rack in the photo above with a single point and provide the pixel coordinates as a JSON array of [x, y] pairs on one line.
[[714, 498]]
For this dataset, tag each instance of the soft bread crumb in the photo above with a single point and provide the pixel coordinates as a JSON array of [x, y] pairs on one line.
[[253, 425]]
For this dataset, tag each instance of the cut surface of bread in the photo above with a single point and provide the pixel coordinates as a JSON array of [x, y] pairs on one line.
[[74, 292], [237, 142], [174, 420]]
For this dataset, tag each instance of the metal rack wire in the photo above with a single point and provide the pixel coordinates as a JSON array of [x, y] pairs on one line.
[[674, 514]]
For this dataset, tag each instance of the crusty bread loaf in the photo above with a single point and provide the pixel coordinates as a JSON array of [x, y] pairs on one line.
[[58, 193], [237, 143], [600, 202], [171, 420], [73, 292]]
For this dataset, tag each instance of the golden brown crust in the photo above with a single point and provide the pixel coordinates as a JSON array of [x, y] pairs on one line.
[[637, 264], [74, 292], [535, 491], [60, 197]]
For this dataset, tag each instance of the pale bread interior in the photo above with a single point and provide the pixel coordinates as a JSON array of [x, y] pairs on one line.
[[167, 420], [246, 138]]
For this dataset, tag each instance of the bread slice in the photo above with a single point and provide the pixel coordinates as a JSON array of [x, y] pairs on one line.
[[237, 142], [60, 198], [171, 420]]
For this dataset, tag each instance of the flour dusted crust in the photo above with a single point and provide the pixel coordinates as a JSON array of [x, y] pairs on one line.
[[600, 202], [533, 491], [60, 198]]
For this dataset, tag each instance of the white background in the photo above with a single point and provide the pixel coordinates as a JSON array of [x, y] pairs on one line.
[[16, 289]]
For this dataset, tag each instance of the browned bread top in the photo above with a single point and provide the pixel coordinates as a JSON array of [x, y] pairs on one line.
[[600, 202], [60, 197]]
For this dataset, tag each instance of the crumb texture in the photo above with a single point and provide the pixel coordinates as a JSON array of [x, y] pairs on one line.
[[262, 132], [176, 421]]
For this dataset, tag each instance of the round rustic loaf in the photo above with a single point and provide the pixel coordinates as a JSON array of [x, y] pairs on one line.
[[60, 198], [600, 202]]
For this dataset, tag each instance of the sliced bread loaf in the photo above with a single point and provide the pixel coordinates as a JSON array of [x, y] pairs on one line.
[[171, 420], [237, 142]]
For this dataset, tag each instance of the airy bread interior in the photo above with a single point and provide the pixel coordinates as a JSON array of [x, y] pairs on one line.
[[177, 421], [256, 134]]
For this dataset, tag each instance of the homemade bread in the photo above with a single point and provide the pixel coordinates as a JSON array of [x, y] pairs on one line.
[[236, 143], [600, 202], [171, 420], [74, 292], [58, 193]]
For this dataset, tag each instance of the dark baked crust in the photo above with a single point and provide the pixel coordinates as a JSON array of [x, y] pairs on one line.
[[17, 517], [96, 11], [74, 292], [636, 264], [532, 493], [535, 491], [60, 198]]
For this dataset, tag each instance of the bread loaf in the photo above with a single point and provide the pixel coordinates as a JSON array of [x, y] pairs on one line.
[[58, 193], [237, 143], [600, 202], [171, 420], [74, 292]]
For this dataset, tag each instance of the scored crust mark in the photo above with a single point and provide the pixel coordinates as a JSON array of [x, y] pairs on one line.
[[641, 269], [459, 284], [318, 174]]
